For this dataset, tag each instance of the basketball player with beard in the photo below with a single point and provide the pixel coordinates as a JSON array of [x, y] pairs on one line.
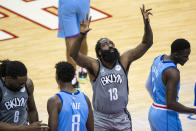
[[18, 111], [108, 76]]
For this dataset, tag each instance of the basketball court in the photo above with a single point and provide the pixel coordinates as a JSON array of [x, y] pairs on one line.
[[28, 32]]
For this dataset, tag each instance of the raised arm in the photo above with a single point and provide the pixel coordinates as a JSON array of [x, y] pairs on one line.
[[133, 54], [171, 78], [87, 62]]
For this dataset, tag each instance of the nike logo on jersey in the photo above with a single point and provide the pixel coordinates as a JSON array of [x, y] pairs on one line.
[[111, 78]]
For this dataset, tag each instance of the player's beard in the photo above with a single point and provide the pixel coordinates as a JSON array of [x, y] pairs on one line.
[[13, 88], [110, 56]]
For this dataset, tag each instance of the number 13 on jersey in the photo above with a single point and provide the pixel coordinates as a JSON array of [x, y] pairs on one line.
[[113, 94]]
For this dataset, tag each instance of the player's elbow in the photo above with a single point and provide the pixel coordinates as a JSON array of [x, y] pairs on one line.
[[171, 105], [149, 43], [73, 55]]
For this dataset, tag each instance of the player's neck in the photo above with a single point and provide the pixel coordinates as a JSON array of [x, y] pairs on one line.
[[169, 58], [108, 65], [166, 58], [68, 88]]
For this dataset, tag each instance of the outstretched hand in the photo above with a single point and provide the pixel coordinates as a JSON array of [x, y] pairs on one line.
[[84, 25], [145, 14]]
